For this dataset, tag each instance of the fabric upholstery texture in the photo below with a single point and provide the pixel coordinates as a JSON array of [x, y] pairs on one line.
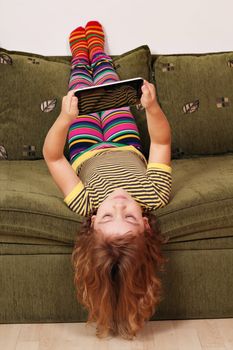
[[195, 92], [38, 287], [31, 91], [37, 230], [135, 63], [201, 203]]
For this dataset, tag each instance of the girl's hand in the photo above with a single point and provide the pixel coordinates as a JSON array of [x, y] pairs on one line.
[[69, 109], [149, 98]]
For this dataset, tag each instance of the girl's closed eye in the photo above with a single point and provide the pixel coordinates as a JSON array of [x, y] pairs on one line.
[[130, 217]]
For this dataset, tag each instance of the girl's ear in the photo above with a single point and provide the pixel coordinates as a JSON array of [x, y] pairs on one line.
[[146, 223], [93, 220]]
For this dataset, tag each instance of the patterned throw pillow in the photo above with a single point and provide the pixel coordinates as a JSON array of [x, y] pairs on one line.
[[196, 94], [31, 90], [135, 63]]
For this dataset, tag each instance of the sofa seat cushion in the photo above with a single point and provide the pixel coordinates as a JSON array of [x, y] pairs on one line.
[[31, 205], [201, 203], [200, 208]]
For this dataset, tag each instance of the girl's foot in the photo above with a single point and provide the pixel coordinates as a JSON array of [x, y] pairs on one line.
[[79, 45], [95, 39]]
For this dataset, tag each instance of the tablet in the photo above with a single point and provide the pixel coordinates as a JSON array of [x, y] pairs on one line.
[[109, 96]]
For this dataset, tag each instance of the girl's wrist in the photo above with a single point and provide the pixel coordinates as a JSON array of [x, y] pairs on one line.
[[153, 108], [64, 119]]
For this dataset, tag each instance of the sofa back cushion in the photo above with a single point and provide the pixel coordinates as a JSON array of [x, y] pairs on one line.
[[196, 94], [31, 90]]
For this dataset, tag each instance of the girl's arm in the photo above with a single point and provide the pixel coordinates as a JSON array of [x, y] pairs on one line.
[[53, 149], [158, 127]]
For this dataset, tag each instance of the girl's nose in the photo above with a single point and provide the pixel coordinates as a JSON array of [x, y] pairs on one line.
[[119, 205]]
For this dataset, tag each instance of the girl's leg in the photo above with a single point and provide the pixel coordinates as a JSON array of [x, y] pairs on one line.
[[81, 72], [118, 125], [86, 130]]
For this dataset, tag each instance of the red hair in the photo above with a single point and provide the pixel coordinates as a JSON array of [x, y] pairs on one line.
[[116, 278]]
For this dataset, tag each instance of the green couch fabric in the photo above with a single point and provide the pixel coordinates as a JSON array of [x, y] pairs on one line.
[[31, 91], [201, 203], [37, 230], [134, 63], [38, 287], [195, 92], [37, 233]]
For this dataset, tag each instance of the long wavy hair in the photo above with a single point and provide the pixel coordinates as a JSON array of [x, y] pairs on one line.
[[116, 278]]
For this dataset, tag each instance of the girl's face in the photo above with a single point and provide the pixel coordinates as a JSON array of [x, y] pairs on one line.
[[119, 214]]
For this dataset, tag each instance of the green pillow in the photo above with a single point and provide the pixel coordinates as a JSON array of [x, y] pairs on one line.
[[134, 63], [31, 90], [195, 92]]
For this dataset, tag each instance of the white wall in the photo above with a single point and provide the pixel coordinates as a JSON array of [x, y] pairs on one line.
[[167, 26]]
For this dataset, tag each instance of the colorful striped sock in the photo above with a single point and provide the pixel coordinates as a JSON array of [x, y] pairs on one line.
[[79, 45], [95, 39]]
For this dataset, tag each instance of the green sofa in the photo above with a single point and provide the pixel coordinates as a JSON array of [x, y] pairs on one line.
[[37, 230]]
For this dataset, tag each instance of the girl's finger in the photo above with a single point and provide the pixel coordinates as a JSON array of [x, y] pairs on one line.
[[74, 99], [70, 93], [152, 90], [145, 90], [74, 102], [69, 98]]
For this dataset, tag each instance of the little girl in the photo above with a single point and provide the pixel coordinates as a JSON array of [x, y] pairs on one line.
[[108, 180]]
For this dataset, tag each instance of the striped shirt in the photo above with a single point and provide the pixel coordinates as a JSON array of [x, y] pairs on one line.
[[149, 184]]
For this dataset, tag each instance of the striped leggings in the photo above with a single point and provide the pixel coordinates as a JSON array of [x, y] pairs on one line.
[[111, 128]]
